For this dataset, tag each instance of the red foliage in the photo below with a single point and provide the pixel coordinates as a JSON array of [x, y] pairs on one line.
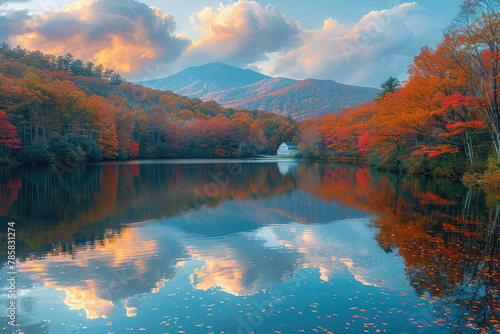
[[363, 142], [134, 149], [220, 151], [462, 127], [453, 133], [458, 99], [8, 133], [435, 151], [473, 125], [487, 56]]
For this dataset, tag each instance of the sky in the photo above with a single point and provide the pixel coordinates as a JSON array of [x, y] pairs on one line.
[[356, 42]]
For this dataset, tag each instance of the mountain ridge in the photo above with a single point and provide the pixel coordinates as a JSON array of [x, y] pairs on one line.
[[233, 87]]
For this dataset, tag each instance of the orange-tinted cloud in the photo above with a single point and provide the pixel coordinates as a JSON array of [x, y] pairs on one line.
[[125, 35]]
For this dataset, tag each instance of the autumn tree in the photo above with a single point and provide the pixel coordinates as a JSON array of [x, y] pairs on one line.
[[8, 134], [107, 139], [473, 41], [309, 138], [158, 119], [124, 128]]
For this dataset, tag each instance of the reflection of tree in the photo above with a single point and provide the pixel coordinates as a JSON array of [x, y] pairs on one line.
[[441, 230], [452, 259], [9, 191], [55, 213], [479, 295]]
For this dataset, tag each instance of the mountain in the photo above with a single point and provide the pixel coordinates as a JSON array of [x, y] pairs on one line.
[[309, 98], [234, 87], [241, 94], [196, 81]]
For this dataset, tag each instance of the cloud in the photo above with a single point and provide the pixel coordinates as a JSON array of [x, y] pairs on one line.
[[141, 42], [241, 33], [125, 35], [3, 2], [374, 48], [11, 23]]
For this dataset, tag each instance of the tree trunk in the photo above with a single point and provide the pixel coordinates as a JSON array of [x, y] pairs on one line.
[[469, 150]]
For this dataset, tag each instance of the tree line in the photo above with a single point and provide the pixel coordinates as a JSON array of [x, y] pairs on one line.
[[62, 109]]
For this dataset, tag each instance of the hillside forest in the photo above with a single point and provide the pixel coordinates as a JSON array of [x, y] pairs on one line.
[[60, 109]]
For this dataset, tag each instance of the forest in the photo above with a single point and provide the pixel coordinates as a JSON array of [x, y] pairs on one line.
[[444, 120], [61, 109]]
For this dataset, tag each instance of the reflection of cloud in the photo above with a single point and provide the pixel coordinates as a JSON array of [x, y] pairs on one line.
[[221, 272], [117, 271], [358, 272], [240, 266], [131, 307], [125, 35], [86, 298], [95, 279], [247, 263], [338, 247]]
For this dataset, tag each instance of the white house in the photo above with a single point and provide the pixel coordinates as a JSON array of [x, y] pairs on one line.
[[288, 149]]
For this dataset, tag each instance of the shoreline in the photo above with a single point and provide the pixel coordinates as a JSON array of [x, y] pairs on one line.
[[205, 161], [262, 158]]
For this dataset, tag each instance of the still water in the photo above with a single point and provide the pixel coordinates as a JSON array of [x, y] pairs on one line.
[[262, 247]]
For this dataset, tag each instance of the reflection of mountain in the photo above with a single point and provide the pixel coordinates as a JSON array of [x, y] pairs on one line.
[[242, 215]]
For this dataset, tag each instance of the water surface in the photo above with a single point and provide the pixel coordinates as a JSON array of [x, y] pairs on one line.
[[259, 246]]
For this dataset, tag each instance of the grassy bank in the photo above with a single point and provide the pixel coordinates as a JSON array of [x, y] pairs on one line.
[[485, 169]]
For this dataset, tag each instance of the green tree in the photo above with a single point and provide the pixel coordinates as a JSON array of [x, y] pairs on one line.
[[389, 86]]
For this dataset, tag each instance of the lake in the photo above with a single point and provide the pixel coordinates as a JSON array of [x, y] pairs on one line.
[[204, 246]]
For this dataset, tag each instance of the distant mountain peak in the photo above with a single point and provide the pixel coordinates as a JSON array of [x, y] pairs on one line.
[[196, 81]]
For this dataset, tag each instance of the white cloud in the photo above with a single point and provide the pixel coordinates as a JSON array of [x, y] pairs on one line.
[[372, 49], [241, 33]]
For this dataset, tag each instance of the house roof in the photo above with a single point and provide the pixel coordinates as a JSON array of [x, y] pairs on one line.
[[290, 144]]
